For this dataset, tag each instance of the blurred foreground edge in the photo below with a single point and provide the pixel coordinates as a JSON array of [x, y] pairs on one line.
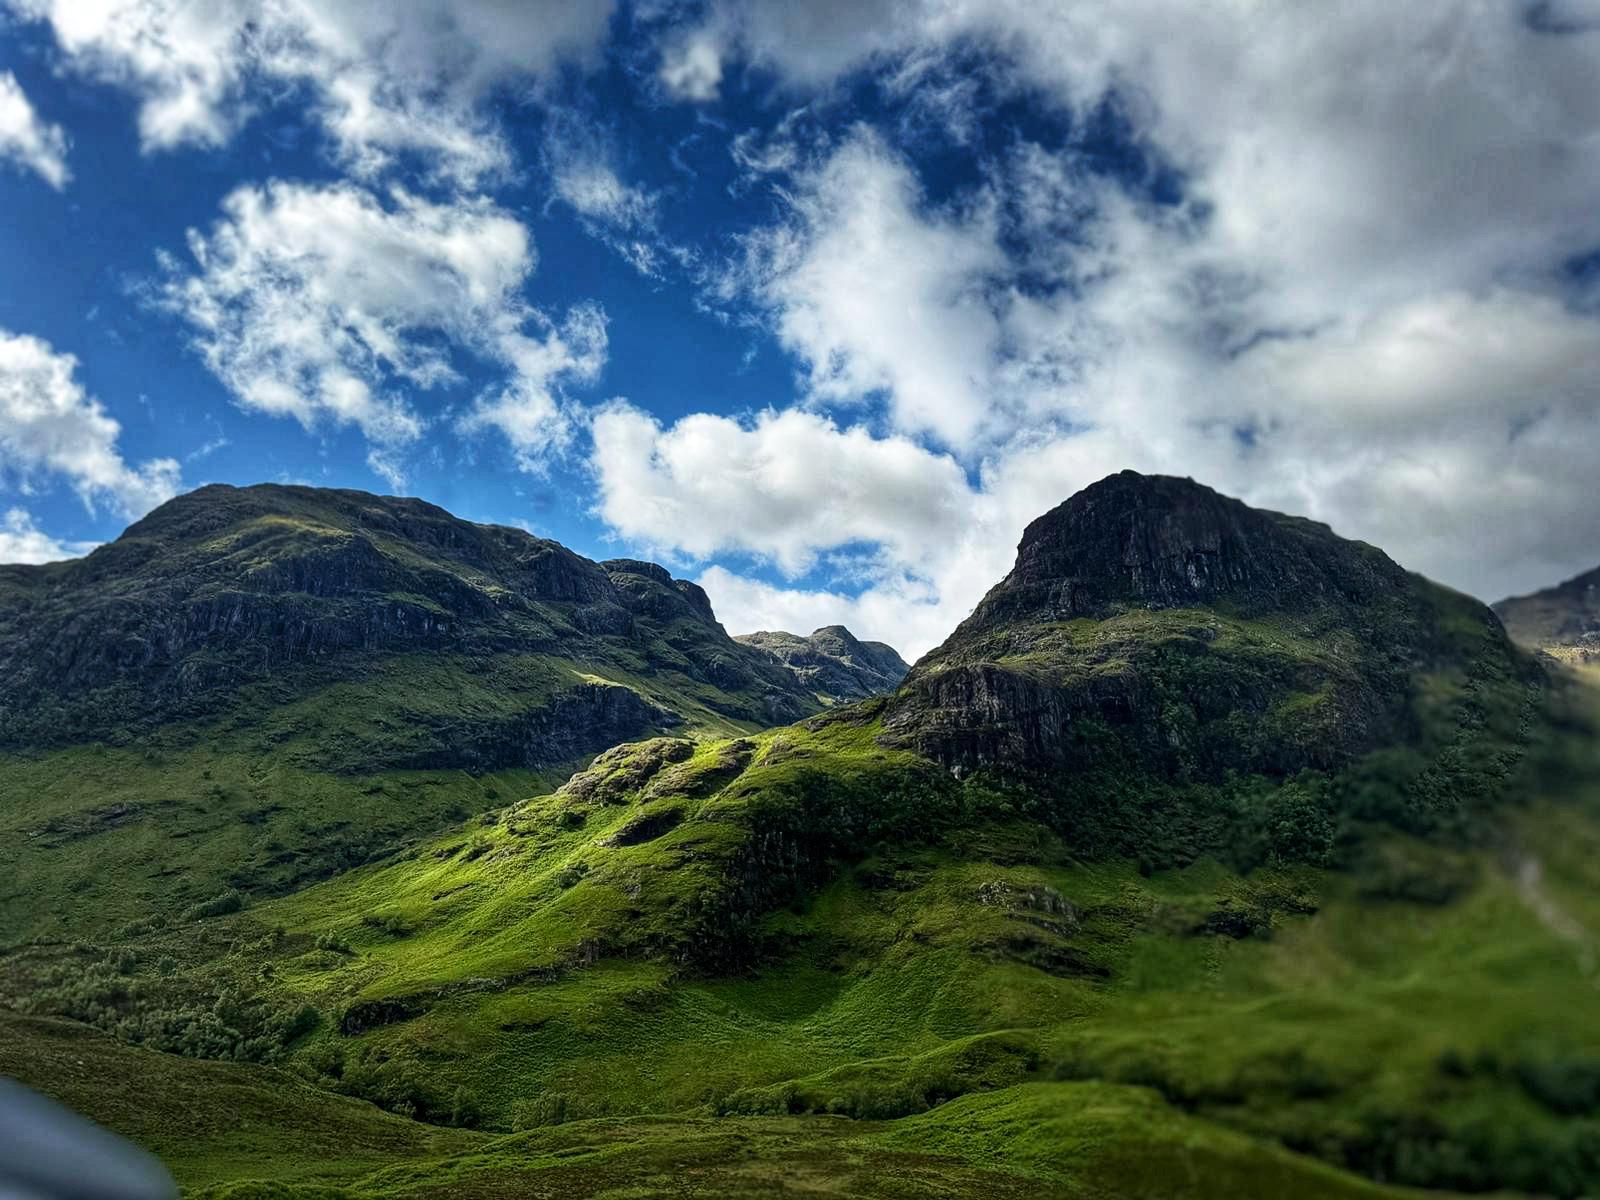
[[48, 1152]]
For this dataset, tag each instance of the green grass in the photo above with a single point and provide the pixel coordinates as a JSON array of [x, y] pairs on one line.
[[1396, 1016], [211, 1121]]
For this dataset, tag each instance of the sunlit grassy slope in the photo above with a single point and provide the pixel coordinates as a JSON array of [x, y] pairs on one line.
[[803, 957], [1289, 888]]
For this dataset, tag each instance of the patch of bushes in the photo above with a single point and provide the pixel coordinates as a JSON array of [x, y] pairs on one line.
[[230, 901], [1566, 1085], [233, 1024], [547, 1108]]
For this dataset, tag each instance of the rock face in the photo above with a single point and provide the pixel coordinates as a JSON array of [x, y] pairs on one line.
[[229, 601], [1563, 621], [1151, 615], [833, 663]]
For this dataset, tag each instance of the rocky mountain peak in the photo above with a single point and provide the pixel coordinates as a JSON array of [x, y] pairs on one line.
[[223, 591], [1158, 541], [1563, 621], [1191, 630]]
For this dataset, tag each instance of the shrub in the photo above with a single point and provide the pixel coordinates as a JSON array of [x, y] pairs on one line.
[[464, 1110], [334, 943], [547, 1108], [229, 901]]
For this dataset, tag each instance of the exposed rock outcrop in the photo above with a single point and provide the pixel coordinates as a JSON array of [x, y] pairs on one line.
[[1562, 621]]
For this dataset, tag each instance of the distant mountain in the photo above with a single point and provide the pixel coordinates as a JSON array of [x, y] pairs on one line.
[[1563, 621], [268, 651], [833, 663]]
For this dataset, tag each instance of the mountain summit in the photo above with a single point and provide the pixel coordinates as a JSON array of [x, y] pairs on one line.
[[1207, 635], [236, 600]]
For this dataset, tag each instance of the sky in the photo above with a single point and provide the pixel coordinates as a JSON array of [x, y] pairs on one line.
[[815, 304]]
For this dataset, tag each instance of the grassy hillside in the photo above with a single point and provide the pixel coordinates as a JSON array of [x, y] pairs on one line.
[[1238, 862], [255, 688], [621, 948]]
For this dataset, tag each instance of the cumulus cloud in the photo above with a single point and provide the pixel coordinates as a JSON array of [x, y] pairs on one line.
[[806, 45], [1357, 310], [50, 427], [386, 80], [21, 541], [28, 141], [782, 486], [878, 296], [325, 303]]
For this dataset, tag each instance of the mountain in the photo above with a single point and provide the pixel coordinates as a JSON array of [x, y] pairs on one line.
[[1207, 635], [833, 663], [1563, 621], [256, 686], [1213, 855]]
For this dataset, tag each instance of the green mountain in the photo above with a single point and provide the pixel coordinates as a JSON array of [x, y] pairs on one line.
[[1213, 855], [833, 663], [1562, 621], [254, 687]]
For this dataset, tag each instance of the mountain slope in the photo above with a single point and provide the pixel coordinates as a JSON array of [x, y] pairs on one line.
[[1083, 900], [1563, 621], [254, 687], [833, 663]]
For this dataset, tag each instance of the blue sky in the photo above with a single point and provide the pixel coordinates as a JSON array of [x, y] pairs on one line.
[[816, 304]]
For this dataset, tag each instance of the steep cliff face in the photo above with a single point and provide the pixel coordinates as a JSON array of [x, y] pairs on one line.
[[226, 593], [1563, 621], [1153, 613], [833, 663]]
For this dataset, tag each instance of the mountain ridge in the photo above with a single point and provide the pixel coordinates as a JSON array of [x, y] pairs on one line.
[[832, 662], [1562, 620]]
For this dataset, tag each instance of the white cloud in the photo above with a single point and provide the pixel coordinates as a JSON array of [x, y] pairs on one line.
[[50, 426], [324, 304], [783, 486], [593, 190], [27, 140], [21, 541], [385, 79], [876, 295], [1356, 313], [620, 215], [807, 45], [691, 68], [528, 412]]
